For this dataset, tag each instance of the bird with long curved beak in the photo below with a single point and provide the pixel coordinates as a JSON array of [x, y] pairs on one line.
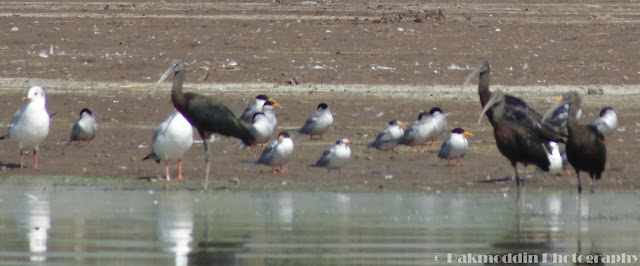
[[278, 152], [261, 128], [336, 156], [607, 122], [516, 142], [455, 147], [388, 138], [30, 124], [585, 147], [85, 128], [205, 113], [254, 107], [171, 140], [318, 123], [515, 109]]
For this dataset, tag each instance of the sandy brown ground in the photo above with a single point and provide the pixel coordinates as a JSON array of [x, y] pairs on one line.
[[371, 62]]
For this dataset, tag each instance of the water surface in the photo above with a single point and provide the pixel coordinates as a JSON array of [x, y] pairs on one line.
[[56, 225]]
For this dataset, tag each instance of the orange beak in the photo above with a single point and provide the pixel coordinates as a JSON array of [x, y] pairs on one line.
[[467, 134], [348, 142], [558, 99], [26, 99]]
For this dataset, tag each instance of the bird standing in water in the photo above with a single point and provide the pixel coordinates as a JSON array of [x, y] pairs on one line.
[[455, 147], [205, 113], [318, 123], [336, 156], [171, 140], [278, 152], [30, 124], [85, 128]]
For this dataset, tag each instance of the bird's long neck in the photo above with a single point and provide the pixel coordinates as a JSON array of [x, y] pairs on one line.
[[483, 87], [177, 96]]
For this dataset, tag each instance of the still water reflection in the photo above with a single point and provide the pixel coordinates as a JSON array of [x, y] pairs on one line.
[[42, 224]]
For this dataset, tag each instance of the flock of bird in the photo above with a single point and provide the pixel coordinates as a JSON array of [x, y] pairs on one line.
[[521, 134]]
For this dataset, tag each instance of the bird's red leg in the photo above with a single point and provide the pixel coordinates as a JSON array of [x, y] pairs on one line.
[[166, 169], [568, 172], [273, 169], [281, 169], [21, 159], [433, 142], [458, 161], [180, 168], [35, 159]]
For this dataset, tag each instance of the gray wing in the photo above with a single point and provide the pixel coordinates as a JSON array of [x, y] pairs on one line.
[[247, 115], [384, 136], [409, 134], [445, 150], [75, 131], [326, 156], [267, 155], [309, 125], [17, 115]]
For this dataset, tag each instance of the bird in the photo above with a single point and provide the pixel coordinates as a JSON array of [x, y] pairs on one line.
[[268, 110], [85, 128], [515, 109], [418, 132], [559, 116], [585, 146], [318, 123], [555, 158], [254, 107], [278, 152], [205, 113], [336, 156], [171, 140], [440, 123], [261, 128], [455, 147], [607, 122], [516, 142], [30, 124], [388, 138]]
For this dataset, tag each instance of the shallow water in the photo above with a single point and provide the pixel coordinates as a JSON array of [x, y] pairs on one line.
[[81, 226]]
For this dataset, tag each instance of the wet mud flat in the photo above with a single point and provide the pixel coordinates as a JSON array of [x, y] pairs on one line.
[[371, 62]]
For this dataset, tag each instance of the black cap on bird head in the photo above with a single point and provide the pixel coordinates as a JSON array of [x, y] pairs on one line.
[[283, 135], [85, 110], [458, 130], [272, 102], [345, 141], [322, 106], [423, 115], [605, 109], [262, 97], [435, 109]]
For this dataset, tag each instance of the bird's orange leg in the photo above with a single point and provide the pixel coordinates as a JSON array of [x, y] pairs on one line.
[[281, 169], [35, 159], [457, 161], [166, 169], [180, 168], [568, 172], [273, 170], [433, 144]]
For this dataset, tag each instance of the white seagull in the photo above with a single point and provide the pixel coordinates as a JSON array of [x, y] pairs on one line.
[[171, 140], [388, 138], [85, 128], [261, 128], [455, 147], [30, 124], [336, 156], [318, 123], [607, 121], [440, 121], [277, 153], [418, 132], [252, 108]]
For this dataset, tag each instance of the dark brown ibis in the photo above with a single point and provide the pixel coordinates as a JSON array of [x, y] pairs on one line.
[[516, 142], [515, 109], [205, 113], [586, 150]]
